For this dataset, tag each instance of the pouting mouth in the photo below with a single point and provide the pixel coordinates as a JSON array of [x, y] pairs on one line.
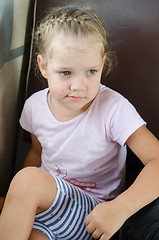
[[75, 98]]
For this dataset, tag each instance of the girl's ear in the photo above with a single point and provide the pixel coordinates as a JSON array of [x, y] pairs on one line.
[[42, 66]]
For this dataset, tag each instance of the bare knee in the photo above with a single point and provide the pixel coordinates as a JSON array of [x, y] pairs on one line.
[[24, 182], [35, 184]]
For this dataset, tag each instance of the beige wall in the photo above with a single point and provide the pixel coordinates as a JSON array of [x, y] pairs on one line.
[[9, 85]]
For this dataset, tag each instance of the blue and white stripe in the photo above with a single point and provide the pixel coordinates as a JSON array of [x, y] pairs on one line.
[[65, 219]]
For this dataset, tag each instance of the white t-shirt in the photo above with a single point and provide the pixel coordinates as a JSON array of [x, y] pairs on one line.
[[89, 151]]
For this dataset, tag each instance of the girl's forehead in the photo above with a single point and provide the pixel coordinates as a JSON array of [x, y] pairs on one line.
[[61, 41]]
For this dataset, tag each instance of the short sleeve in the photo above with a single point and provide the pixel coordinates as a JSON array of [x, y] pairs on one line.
[[26, 117], [125, 121]]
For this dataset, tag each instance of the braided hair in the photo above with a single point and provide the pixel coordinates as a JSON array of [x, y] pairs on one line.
[[75, 21]]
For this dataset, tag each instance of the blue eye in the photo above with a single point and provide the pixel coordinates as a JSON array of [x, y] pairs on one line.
[[65, 73], [91, 72]]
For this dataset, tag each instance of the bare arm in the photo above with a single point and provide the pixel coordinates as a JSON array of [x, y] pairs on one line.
[[146, 187], [33, 157], [108, 217]]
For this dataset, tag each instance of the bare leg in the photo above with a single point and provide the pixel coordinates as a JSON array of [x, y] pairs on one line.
[[31, 191], [35, 235]]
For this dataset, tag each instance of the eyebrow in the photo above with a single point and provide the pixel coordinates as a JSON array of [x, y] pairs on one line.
[[67, 68], [96, 66]]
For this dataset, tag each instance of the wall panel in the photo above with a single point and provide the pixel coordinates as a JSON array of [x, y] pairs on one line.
[[11, 56]]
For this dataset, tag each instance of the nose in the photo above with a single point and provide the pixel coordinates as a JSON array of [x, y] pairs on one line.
[[78, 84]]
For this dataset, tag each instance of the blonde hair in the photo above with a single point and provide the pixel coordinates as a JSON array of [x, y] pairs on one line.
[[76, 21]]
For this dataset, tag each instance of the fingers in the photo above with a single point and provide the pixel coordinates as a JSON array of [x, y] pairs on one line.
[[96, 229], [91, 228], [93, 231], [87, 221], [96, 233], [104, 237]]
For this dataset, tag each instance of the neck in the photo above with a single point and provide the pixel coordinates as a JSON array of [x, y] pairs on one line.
[[60, 115]]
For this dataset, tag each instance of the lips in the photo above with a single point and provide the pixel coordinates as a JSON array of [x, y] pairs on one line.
[[75, 98]]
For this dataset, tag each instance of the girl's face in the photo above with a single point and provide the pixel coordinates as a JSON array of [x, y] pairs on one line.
[[73, 73]]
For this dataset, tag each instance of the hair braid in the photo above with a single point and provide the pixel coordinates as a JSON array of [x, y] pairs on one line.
[[75, 21]]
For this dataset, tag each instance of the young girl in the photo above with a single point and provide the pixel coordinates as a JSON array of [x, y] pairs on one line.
[[80, 129]]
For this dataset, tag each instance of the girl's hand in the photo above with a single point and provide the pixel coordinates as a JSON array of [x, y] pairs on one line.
[[105, 219]]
